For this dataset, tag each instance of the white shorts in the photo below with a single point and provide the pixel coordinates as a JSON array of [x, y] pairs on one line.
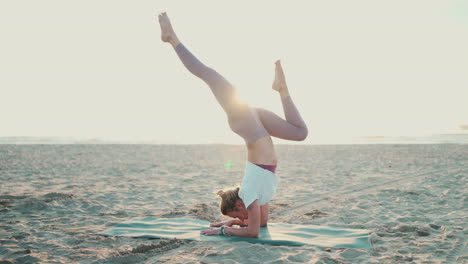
[[258, 184]]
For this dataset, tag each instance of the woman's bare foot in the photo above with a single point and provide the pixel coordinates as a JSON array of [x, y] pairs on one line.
[[167, 32], [279, 84]]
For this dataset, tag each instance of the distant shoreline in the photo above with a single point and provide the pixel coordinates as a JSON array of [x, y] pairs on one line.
[[365, 140]]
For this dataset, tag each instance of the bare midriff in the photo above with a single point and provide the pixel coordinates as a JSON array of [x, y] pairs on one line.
[[262, 151]]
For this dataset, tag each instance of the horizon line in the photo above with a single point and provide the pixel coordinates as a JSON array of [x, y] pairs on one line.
[[449, 138]]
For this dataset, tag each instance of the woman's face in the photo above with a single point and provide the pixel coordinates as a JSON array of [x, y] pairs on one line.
[[239, 211], [241, 214]]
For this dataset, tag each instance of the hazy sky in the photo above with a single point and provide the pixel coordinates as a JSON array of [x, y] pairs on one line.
[[98, 69]]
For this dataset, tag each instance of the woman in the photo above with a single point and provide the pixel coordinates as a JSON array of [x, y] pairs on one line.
[[249, 203]]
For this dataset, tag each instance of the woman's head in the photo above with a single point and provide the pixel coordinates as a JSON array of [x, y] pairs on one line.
[[231, 204], [229, 198]]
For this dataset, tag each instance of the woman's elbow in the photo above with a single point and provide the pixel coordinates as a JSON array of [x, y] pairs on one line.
[[253, 234]]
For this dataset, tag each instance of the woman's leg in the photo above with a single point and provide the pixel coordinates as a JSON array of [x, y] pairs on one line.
[[294, 127], [224, 92]]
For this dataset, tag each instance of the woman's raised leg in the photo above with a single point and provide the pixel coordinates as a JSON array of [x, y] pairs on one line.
[[294, 127], [224, 92]]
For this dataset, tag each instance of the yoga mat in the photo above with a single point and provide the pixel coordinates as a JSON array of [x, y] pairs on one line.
[[275, 234]]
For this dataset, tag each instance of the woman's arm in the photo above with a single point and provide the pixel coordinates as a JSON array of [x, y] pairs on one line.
[[264, 210], [230, 222], [253, 229]]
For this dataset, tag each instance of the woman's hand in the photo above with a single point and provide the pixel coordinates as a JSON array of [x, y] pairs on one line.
[[224, 223], [211, 232], [279, 83]]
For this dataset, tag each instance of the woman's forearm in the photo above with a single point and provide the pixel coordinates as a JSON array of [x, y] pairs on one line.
[[239, 222], [241, 231]]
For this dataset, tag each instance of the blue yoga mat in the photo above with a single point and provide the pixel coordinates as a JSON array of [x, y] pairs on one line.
[[274, 234]]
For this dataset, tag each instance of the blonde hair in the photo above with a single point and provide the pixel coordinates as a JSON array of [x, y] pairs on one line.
[[228, 199]]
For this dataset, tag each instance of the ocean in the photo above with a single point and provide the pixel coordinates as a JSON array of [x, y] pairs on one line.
[[55, 199]]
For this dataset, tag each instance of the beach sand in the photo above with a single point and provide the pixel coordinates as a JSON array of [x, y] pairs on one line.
[[56, 199]]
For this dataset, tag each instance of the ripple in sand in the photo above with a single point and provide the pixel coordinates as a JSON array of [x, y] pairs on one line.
[[143, 252], [173, 213], [162, 246], [31, 204], [352, 253], [205, 211], [54, 196], [12, 197], [316, 213]]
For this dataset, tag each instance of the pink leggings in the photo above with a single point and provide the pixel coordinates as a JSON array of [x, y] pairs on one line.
[[249, 123]]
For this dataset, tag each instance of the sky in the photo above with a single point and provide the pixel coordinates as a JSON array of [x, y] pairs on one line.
[[98, 69]]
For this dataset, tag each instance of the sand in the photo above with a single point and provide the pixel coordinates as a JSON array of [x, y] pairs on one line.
[[55, 199]]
